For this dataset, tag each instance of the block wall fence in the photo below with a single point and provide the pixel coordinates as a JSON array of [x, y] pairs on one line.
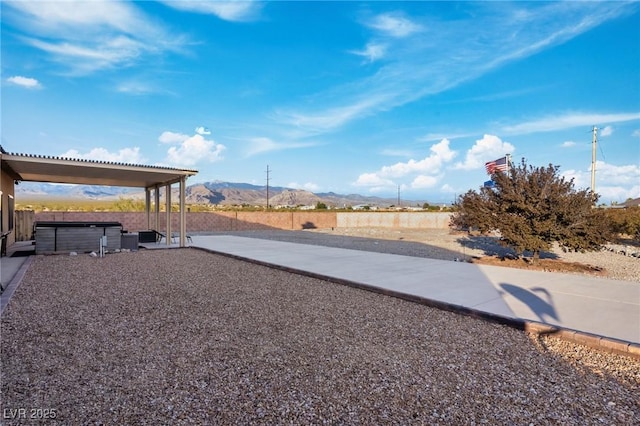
[[244, 221]]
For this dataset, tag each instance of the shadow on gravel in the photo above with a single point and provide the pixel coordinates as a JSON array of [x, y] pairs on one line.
[[491, 246], [404, 248]]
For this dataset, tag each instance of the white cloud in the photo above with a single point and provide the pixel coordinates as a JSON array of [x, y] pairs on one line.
[[374, 181], [193, 150], [26, 82], [445, 54], [432, 137], [172, 137], [373, 51], [426, 171], [393, 152], [86, 36], [636, 133], [394, 25], [568, 144], [93, 56], [424, 181], [309, 186], [609, 194], [259, 145], [63, 17], [488, 148], [606, 131], [125, 155], [244, 10], [617, 175], [134, 88], [568, 121], [448, 189], [404, 168], [141, 87], [318, 122], [440, 154], [202, 131], [613, 183]]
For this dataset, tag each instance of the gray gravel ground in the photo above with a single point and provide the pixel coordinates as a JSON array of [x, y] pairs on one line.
[[189, 337]]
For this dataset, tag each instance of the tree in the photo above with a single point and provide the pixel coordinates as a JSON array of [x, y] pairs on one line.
[[625, 221], [532, 208], [128, 205]]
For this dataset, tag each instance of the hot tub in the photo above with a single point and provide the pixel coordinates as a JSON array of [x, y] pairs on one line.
[[81, 237]]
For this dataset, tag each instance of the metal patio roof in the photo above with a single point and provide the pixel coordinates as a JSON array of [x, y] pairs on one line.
[[37, 168]]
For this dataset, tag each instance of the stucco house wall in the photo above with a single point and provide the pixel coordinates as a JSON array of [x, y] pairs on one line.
[[7, 192]]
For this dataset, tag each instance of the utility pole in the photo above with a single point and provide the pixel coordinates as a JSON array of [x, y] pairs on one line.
[[268, 187], [399, 196], [594, 142]]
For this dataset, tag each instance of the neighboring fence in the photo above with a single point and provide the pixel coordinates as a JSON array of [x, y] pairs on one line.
[[204, 221], [23, 225], [426, 220], [131, 221], [243, 221]]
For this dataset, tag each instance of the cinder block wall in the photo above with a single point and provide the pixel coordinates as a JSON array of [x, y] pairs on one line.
[[287, 220], [244, 221], [203, 221], [131, 221], [428, 220]]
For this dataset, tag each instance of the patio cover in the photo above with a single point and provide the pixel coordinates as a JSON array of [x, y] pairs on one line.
[[35, 168]]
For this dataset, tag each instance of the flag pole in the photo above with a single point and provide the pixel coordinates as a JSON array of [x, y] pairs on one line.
[[508, 163]]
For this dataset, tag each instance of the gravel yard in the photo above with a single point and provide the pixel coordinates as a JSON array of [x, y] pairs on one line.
[[189, 337]]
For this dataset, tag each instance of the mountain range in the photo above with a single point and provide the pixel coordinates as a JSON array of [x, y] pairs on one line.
[[216, 192]]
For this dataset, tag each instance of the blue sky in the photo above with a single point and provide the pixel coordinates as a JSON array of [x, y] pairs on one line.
[[349, 97]]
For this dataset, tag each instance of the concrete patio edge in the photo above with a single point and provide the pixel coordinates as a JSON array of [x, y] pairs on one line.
[[13, 285]]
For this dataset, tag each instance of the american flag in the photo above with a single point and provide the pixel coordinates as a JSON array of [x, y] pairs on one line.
[[499, 165]]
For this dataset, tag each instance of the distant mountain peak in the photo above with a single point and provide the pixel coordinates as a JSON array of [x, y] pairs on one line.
[[214, 192]]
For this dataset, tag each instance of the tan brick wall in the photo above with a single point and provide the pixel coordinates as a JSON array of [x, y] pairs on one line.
[[425, 220], [286, 220], [131, 221], [244, 221], [203, 221]]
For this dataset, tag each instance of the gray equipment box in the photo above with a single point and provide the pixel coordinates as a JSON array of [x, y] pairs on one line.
[[81, 237]]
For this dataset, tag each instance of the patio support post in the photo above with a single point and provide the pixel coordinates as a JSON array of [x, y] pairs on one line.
[[167, 191], [157, 207], [147, 206], [183, 213]]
